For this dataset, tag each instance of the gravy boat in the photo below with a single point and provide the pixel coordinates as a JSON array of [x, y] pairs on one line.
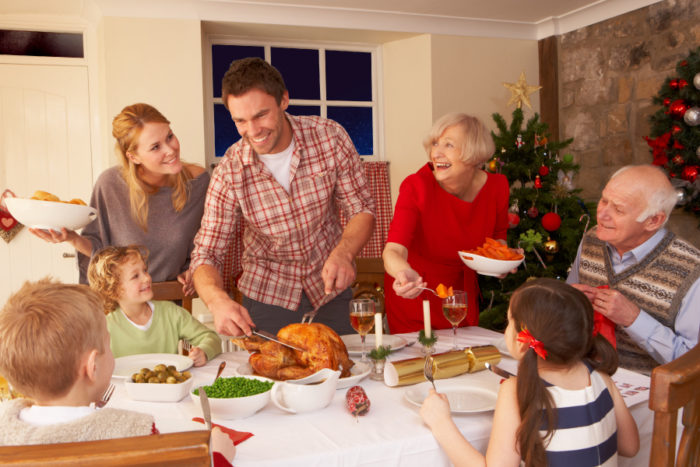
[[306, 394]]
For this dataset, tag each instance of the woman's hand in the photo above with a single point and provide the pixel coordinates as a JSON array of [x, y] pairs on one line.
[[514, 270], [199, 358], [53, 236], [185, 278], [407, 283], [435, 409]]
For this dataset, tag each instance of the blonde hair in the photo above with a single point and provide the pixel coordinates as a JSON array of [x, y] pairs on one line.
[[46, 328], [478, 144], [103, 272], [126, 129]]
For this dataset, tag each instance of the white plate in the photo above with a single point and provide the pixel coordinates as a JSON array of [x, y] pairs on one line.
[[463, 397], [357, 373], [50, 214], [353, 343], [124, 367]]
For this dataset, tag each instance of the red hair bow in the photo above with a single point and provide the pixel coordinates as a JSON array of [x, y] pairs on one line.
[[534, 344]]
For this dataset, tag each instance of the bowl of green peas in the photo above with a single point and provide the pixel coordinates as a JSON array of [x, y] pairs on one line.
[[236, 397]]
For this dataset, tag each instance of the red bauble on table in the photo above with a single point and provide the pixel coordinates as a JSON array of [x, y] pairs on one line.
[[551, 221], [513, 220]]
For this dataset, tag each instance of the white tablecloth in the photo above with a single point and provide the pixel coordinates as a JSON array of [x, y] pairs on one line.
[[391, 434]]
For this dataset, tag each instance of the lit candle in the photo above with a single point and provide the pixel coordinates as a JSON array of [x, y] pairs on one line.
[[426, 318], [378, 329]]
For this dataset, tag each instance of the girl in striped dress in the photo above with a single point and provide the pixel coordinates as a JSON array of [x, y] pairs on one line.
[[562, 409]]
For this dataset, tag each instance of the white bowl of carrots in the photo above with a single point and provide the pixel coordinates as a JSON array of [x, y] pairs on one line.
[[493, 258]]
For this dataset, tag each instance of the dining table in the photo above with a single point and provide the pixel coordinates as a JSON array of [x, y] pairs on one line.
[[391, 433]]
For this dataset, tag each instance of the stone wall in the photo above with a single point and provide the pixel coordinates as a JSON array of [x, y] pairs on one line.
[[609, 73]]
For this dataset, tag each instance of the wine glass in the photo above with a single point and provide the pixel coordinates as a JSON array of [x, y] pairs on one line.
[[362, 320], [454, 307]]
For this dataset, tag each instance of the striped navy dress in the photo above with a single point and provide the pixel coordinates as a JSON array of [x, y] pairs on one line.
[[586, 431]]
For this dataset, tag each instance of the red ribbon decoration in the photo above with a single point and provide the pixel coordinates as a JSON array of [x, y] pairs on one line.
[[603, 325], [527, 338]]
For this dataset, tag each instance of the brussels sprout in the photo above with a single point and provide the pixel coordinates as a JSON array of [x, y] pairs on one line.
[[160, 368], [171, 380], [154, 379]]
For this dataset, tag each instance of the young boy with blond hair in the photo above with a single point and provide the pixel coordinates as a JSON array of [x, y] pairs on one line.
[[137, 323], [55, 350]]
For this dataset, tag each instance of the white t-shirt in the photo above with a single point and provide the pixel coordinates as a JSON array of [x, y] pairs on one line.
[[143, 327], [279, 164]]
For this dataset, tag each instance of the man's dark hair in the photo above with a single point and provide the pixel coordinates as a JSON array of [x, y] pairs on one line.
[[252, 73]]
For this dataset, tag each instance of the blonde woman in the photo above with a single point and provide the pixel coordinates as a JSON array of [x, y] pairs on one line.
[[450, 204], [152, 199]]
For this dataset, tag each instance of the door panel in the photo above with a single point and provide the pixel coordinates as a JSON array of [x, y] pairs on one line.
[[44, 145]]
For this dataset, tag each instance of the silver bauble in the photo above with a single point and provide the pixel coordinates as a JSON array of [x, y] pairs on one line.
[[696, 81], [681, 199], [692, 116]]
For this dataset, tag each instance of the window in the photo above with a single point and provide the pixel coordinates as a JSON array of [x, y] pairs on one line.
[[329, 81]]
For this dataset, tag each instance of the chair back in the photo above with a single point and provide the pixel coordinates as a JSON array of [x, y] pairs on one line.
[[189, 448], [674, 385], [172, 290]]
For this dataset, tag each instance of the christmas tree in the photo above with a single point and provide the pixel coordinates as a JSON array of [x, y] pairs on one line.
[[675, 130], [546, 217]]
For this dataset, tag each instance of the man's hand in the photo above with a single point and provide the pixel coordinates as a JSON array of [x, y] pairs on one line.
[[407, 282], [230, 318], [615, 306], [338, 272]]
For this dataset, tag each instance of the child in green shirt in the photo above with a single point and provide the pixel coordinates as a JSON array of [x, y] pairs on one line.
[[136, 323]]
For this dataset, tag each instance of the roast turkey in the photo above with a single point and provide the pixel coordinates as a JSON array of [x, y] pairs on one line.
[[322, 348]]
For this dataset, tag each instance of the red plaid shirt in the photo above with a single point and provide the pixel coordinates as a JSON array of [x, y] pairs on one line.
[[287, 237]]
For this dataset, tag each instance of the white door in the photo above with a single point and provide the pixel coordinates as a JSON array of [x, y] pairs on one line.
[[44, 145]]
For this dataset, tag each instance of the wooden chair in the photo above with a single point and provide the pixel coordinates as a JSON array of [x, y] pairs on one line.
[[189, 448], [369, 282], [674, 385], [172, 290]]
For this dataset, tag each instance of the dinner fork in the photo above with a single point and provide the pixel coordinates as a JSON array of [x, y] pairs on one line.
[[105, 397], [429, 290], [428, 370], [186, 347]]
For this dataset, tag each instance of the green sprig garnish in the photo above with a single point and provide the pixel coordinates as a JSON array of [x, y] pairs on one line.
[[380, 353], [427, 342]]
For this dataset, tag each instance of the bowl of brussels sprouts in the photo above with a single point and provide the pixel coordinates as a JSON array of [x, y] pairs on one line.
[[236, 397], [162, 383]]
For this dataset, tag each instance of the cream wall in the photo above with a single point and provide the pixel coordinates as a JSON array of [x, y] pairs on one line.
[[157, 61]]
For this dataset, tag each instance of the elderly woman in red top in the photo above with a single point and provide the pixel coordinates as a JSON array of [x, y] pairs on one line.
[[450, 204]]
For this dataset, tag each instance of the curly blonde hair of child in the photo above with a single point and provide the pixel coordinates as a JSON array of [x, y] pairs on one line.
[[103, 272], [46, 328]]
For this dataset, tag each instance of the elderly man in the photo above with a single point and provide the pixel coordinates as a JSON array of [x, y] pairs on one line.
[[653, 275]]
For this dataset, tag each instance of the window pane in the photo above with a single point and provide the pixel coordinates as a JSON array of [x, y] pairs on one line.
[[304, 109], [358, 123], [348, 76], [225, 133], [223, 55], [41, 44], [299, 68]]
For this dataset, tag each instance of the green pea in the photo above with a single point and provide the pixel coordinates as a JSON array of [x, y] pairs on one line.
[[226, 388]]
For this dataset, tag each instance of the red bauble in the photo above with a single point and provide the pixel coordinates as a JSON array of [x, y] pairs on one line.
[[533, 212], [677, 109], [675, 129], [551, 221], [682, 83], [673, 83], [513, 220], [538, 182], [690, 173], [544, 170], [667, 101]]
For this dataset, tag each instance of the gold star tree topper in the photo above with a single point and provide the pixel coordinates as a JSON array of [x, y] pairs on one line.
[[520, 91]]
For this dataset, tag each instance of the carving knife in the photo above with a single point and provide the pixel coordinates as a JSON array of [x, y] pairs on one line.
[[206, 411], [272, 337]]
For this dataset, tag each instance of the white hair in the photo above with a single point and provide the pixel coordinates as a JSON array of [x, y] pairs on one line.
[[662, 199]]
